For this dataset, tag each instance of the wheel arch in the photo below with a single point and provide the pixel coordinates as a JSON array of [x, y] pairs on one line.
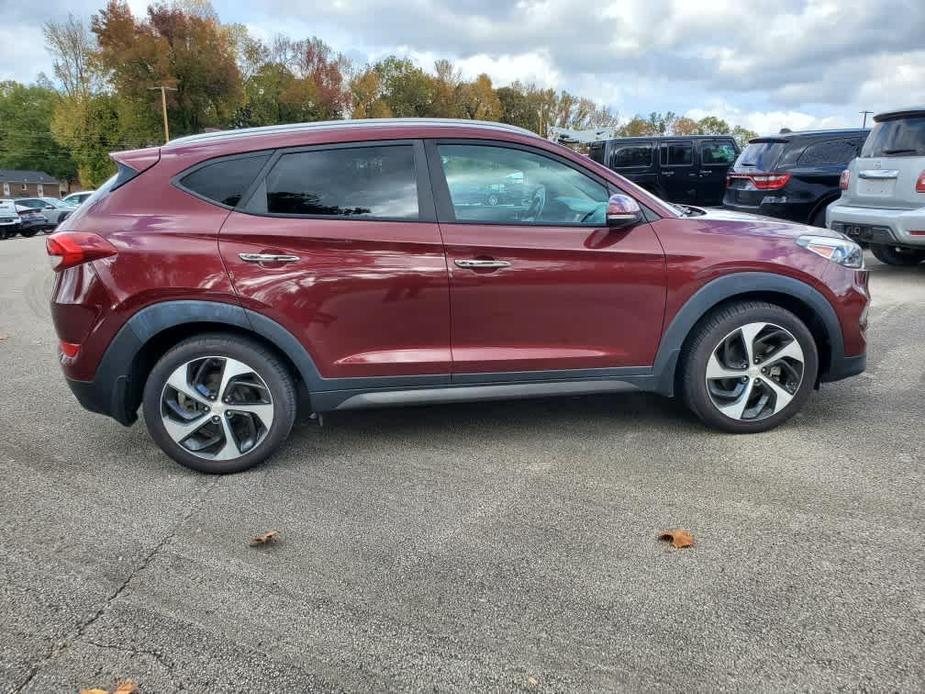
[[806, 302], [152, 331], [824, 202]]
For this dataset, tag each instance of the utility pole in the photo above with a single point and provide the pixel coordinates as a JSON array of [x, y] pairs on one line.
[[164, 89], [865, 114]]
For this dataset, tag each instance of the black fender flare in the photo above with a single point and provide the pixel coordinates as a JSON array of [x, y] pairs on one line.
[[110, 388], [729, 287]]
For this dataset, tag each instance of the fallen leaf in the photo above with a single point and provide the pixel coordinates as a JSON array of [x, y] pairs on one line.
[[532, 681], [93, 691], [127, 687], [3, 337], [678, 538], [265, 538]]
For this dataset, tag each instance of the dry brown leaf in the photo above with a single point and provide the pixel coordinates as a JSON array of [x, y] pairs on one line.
[[532, 681], [93, 691], [678, 538], [127, 687], [265, 538], [2, 338]]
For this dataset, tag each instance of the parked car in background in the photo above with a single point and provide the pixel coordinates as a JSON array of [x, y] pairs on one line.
[[9, 219], [76, 199], [793, 175], [31, 221], [341, 266], [688, 170], [55, 210], [883, 191]]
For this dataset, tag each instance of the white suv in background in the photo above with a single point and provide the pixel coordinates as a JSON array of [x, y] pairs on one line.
[[883, 191]]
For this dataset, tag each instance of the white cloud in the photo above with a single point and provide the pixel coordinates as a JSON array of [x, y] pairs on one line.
[[767, 63]]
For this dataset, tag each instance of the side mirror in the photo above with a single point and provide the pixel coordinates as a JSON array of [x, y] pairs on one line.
[[623, 212]]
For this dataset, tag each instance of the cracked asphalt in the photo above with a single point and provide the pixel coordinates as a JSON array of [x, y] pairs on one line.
[[500, 547]]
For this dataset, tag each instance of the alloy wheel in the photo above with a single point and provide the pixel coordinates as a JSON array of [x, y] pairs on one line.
[[216, 408], [755, 371]]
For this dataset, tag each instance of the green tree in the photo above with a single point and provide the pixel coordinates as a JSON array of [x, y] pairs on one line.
[[26, 140]]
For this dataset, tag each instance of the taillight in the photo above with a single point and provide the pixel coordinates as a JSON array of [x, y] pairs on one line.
[[845, 179], [69, 248], [770, 181], [69, 349], [920, 183]]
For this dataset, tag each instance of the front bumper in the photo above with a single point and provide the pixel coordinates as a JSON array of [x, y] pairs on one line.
[[888, 227]]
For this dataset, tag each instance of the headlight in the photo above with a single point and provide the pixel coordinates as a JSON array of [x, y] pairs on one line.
[[841, 251]]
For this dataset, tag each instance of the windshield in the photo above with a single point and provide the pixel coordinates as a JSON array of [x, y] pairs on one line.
[[759, 156], [899, 137]]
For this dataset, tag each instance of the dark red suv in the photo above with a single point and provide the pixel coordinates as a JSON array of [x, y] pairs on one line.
[[225, 280]]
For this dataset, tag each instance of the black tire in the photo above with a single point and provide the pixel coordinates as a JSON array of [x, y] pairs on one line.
[[708, 334], [264, 363], [818, 219], [893, 255], [28, 233]]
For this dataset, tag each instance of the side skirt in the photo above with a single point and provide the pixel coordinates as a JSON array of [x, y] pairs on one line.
[[386, 397]]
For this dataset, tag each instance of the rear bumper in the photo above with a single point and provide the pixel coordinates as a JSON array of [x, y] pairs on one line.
[[845, 367], [104, 396], [878, 225]]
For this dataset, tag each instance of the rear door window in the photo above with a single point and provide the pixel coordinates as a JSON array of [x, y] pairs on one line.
[[637, 155], [899, 137], [677, 154], [356, 182], [828, 152], [226, 180]]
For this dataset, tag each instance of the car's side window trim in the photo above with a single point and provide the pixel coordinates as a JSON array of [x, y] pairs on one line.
[[177, 180], [446, 213], [252, 204]]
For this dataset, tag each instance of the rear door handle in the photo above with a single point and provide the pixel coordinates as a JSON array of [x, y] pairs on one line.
[[267, 258], [481, 264]]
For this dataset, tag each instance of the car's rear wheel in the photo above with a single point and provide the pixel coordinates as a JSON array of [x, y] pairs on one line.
[[219, 403], [28, 233], [896, 255], [749, 367]]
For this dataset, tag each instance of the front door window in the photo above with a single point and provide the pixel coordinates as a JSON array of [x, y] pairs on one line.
[[500, 185]]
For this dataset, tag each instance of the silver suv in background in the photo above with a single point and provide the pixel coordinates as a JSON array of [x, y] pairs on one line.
[[883, 191]]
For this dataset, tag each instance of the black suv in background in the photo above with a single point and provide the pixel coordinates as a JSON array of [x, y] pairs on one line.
[[793, 175], [682, 169]]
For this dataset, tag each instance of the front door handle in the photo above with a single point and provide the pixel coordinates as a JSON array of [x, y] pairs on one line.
[[481, 264], [267, 258]]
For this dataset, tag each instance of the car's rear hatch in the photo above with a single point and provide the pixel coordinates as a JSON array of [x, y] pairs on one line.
[[889, 172], [753, 173]]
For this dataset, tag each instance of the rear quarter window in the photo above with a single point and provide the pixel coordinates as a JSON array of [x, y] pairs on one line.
[[828, 152], [225, 181], [898, 137]]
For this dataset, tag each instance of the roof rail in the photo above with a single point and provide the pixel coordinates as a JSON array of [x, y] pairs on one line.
[[350, 123]]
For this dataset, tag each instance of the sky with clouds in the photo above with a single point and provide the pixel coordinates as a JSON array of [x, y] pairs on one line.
[[764, 64]]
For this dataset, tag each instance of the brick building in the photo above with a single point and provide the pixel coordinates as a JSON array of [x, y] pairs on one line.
[[29, 184]]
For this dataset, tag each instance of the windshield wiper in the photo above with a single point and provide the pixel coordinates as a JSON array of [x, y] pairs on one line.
[[900, 151]]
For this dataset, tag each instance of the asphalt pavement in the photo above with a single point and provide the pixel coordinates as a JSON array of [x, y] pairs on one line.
[[508, 546]]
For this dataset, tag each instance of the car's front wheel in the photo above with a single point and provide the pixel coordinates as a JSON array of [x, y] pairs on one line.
[[895, 255], [219, 403], [749, 367]]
